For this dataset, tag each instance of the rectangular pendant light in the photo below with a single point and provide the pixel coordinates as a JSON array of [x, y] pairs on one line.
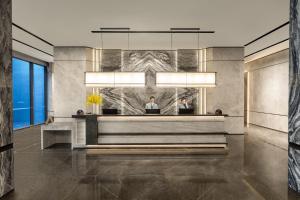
[[115, 79], [130, 79], [186, 79]]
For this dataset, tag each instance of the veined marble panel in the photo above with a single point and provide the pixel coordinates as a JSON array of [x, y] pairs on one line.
[[111, 60], [6, 128], [133, 100], [294, 96], [293, 168], [112, 98], [6, 172], [5, 73], [187, 60], [294, 73]]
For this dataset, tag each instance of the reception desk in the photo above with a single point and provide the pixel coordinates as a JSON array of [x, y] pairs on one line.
[[160, 124], [150, 130]]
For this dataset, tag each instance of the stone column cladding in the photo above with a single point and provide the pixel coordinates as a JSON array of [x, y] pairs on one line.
[[228, 95], [294, 98], [70, 64], [6, 153]]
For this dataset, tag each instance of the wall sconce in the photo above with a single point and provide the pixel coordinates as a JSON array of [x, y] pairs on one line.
[[186, 79], [115, 79]]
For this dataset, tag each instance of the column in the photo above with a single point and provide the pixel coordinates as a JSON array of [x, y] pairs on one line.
[[294, 98], [6, 142], [228, 96]]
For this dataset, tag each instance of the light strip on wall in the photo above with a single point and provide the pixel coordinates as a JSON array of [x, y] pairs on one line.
[[115, 79], [186, 79]]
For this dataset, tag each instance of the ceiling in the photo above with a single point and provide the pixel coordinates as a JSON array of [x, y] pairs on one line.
[[69, 22]]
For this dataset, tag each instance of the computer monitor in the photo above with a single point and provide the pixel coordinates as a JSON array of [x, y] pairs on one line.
[[109, 111], [153, 111], [189, 111]]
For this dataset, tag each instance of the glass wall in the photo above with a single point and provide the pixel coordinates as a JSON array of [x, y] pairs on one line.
[[21, 93], [38, 94], [29, 89]]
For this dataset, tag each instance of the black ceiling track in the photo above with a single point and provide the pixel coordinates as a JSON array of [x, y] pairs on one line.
[[264, 35], [34, 35], [186, 29], [170, 31], [114, 28]]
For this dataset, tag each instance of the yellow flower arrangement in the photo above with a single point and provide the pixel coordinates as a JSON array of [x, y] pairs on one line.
[[94, 99]]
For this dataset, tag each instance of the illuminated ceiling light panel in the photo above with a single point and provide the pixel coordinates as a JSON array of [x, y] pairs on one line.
[[115, 79], [186, 79]]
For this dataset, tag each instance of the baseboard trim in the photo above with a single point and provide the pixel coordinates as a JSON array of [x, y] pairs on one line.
[[268, 128]]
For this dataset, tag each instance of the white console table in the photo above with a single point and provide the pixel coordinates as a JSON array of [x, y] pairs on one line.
[[58, 132]]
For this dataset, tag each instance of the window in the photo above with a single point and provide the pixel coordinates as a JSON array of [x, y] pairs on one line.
[[21, 93], [29, 91], [39, 94]]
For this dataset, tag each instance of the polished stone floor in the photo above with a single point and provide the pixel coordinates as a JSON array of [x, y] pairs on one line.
[[255, 168]]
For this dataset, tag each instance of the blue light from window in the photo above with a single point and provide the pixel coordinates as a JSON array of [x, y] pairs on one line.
[[39, 94], [21, 93]]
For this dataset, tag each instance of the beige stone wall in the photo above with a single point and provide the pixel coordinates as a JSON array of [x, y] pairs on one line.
[[268, 91]]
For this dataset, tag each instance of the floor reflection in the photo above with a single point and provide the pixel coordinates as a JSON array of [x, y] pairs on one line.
[[253, 169]]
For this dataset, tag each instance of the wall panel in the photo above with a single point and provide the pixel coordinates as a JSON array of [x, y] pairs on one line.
[[268, 91]]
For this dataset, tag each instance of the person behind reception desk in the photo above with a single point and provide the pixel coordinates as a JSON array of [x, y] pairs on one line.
[[184, 108], [183, 104], [151, 104]]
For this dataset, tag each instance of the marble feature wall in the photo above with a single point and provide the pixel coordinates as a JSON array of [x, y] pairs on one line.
[[294, 98], [187, 60], [6, 157], [132, 100], [229, 93], [294, 74], [71, 63], [6, 172], [111, 60], [268, 85], [293, 168]]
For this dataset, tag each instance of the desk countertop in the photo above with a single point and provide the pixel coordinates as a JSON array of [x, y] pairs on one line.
[[148, 115], [161, 118]]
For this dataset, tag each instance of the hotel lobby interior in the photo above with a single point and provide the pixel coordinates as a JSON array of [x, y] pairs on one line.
[[149, 100]]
